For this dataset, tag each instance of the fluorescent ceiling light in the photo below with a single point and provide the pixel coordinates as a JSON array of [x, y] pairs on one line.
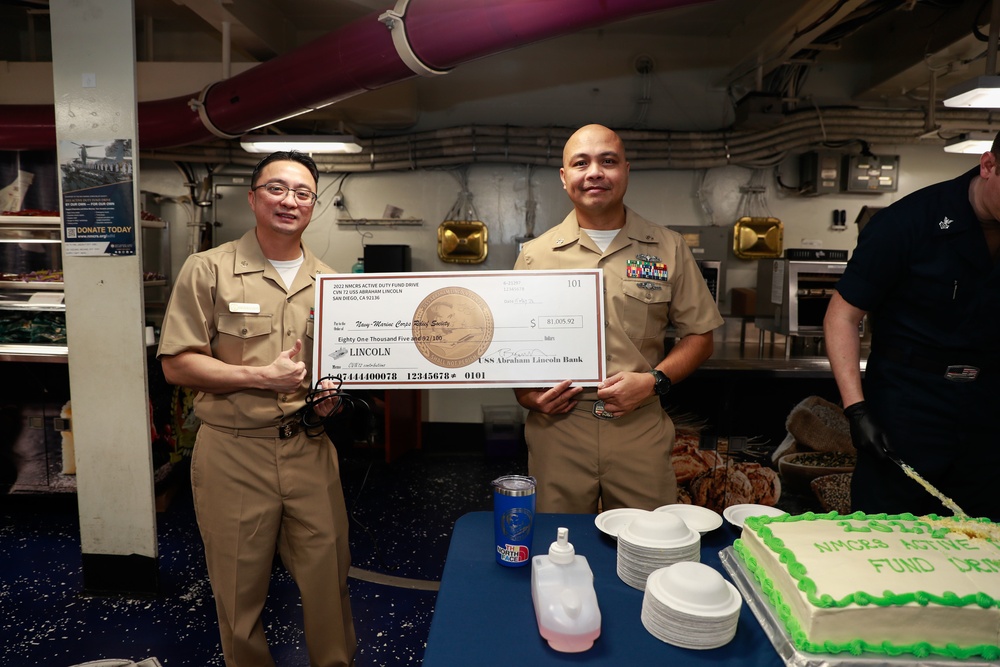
[[971, 142], [320, 143], [983, 92]]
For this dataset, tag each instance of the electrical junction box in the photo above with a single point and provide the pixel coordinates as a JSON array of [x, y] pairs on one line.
[[871, 173], [819, 172]]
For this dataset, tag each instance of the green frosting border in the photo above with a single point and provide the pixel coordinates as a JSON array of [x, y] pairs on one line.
[[797, 571]]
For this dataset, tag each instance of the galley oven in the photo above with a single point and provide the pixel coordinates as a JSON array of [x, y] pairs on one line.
[[792, 295]]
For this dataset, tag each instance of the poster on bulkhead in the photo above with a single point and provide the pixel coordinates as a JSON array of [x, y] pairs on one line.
[[98, 202]]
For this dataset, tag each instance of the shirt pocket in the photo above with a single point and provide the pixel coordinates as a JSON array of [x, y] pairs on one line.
[[647, 308], [936, 299], [244, 339]]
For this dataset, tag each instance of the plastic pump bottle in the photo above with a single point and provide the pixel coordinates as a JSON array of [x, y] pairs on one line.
[[359, 266], [562, 590]]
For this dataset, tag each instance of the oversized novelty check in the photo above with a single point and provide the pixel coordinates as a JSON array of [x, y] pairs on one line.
[[460, 329]]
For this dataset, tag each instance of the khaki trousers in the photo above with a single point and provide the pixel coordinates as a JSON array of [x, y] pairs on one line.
[[579, 459], [255, 495]]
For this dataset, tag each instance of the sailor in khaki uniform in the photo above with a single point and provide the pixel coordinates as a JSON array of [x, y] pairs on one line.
[[238, 329], [610, 446]]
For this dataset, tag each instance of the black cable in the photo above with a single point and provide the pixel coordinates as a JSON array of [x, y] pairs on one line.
[[976, 32], [344, 409]]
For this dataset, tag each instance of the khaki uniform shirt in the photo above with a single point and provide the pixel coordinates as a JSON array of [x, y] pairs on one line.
[[638, 309], [212, 311]]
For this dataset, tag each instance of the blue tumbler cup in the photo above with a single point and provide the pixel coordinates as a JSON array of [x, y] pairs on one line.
[[513, 519]]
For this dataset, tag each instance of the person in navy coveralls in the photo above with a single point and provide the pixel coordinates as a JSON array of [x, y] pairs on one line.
[[925, 271]]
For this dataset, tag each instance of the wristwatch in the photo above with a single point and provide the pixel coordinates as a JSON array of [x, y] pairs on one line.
[[661, 383]]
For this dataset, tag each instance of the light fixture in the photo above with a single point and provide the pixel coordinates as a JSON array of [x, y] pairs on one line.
[[983, 92], [971, 142], [320, 143]]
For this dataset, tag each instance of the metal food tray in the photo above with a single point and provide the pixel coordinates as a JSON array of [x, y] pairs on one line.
[[33, 285], [776, 632]]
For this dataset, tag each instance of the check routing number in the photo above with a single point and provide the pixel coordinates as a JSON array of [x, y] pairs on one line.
[[460, 328]]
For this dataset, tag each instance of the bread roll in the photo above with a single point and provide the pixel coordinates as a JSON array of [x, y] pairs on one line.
[[765, 482], [721, 487]]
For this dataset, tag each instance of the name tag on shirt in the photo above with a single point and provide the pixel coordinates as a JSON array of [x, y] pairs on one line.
[[244, 308]]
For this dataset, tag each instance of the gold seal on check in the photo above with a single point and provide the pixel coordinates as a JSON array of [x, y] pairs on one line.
[[452, 327]]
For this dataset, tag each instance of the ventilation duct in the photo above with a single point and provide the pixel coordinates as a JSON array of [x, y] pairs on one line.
[[425, 36]]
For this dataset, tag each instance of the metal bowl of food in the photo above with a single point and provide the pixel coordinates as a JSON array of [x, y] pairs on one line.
[[798, 470], [833, 492]]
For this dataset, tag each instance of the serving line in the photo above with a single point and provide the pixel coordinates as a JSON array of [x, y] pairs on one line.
[[769, 362]]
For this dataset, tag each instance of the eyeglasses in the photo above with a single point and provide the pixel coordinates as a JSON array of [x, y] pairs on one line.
[[279, 192]]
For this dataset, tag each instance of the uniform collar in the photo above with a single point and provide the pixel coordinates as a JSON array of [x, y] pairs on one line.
[[959, 223], [958, 215], [568, 232], [250, 259]]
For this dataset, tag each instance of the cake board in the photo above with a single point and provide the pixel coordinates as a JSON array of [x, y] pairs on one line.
[[793, 657]]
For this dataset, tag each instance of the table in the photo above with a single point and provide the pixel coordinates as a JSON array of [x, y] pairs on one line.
[[484, 615]]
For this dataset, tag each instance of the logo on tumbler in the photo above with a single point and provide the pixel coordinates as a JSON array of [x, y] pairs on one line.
[[513, 553], [517, 523]]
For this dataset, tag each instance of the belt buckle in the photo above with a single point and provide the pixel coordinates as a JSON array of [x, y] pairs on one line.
[[961, 373], [287, 430], [600, 412]]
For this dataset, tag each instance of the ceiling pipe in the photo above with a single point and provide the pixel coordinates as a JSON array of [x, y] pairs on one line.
[[361, 56]]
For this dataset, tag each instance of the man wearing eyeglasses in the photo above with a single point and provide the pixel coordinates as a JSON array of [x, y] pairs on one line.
[[239, 330]]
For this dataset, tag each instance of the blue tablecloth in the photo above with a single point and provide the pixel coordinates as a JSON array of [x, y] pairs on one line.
[[484, 614]]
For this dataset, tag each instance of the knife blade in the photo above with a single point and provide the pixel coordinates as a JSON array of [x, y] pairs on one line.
[[930, 488]]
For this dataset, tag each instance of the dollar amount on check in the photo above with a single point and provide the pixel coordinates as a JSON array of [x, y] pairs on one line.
[[460, 329]]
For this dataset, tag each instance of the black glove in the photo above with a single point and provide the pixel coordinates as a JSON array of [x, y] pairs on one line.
[[866, 434]]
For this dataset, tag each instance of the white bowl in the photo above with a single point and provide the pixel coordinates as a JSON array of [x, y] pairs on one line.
[[737, 514], [610, 522], [696, 517], [658, 530], [694, 588]]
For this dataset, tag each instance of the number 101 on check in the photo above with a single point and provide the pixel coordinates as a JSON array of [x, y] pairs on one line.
[[557, 322]]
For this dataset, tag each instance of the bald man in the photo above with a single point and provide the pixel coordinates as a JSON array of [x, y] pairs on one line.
[[609, 446]]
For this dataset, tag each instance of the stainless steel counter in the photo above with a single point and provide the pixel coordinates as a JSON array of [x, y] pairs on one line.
[[768, 361], [42, 354], [48, 354]]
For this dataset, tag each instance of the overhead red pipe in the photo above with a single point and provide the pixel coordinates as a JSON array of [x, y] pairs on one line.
[[354, 59]]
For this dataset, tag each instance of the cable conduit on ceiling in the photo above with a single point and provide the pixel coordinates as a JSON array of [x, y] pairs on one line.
[[646, 149]]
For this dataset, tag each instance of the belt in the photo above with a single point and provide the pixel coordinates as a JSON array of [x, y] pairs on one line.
[[591, 396], [955, 372], [595, 406], [282, 431]]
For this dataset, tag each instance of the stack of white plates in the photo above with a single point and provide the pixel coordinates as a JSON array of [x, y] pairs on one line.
[[651, 541], [690, 605]]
